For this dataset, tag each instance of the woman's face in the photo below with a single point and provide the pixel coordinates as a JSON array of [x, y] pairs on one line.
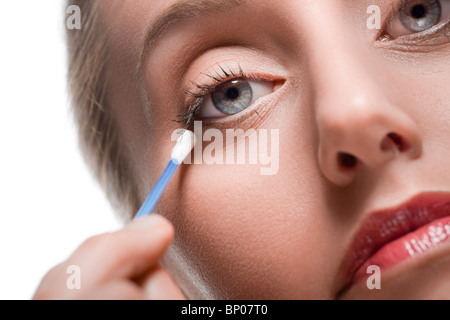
[[357, 120]]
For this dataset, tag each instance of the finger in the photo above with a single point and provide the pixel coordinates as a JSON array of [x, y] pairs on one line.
[[115, 290], [159, 285], [47, 289], [123, 254]]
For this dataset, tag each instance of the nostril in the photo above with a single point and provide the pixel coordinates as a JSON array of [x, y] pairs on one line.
[[397, 140], [346, 160]]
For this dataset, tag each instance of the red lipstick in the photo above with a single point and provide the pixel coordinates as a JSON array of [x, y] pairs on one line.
[[388, 237]]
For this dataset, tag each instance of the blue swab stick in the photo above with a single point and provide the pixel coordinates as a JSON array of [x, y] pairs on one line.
[[183, 147]]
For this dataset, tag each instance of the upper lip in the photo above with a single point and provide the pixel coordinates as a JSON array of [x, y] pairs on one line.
[[384, 226]]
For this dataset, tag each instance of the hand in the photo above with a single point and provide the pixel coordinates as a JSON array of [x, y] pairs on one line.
[[119, 265]]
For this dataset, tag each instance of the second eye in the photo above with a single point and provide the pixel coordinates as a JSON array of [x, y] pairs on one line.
[[234, 96], [418, 15]]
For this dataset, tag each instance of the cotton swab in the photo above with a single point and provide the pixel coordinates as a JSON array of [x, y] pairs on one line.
[[183, 147]]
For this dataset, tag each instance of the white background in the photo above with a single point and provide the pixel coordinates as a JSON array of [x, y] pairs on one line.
[[49, 203]]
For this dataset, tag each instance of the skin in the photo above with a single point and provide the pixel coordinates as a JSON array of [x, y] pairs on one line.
[[238, 234]]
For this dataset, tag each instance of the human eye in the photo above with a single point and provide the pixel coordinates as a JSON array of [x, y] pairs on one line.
[[415, 16], [233, 96], [227, 93]]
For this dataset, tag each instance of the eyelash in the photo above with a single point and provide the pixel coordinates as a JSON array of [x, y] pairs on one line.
[[221, 75]]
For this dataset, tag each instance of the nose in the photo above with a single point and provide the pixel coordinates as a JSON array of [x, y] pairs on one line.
[[359, 128], [362, 131]]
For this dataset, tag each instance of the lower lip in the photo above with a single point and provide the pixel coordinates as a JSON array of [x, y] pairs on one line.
[[409, 246]]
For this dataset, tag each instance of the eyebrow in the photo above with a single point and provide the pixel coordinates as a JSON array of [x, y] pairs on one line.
[[176, 14]]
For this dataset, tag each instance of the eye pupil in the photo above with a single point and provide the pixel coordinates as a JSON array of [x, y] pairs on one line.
[[418, 11], [233, 96], [420, 15], [232, 93]]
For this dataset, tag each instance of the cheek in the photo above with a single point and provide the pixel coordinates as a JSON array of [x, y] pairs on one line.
[[240, 234], [424, 95]]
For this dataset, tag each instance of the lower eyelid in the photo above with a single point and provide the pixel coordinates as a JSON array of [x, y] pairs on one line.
[[431, 38], [253, 117]]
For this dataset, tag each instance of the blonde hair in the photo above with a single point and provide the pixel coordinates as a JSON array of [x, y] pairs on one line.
[[88, 83]]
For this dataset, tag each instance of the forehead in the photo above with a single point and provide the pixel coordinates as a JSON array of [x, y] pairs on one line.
[[135, 18]]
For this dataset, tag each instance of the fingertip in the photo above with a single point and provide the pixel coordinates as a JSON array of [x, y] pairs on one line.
[[164, 225], [152, 221]]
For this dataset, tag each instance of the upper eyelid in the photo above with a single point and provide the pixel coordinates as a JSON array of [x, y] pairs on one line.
[[216, 79]]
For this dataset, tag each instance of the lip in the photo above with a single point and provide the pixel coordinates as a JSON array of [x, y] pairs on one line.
[[390, 236]]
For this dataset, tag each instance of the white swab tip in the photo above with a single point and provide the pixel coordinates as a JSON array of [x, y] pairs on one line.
[[185, 142]]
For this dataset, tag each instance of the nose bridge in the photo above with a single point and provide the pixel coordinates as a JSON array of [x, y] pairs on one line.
[[347, 99], [341, 74], [341, 70], [356, 122]]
